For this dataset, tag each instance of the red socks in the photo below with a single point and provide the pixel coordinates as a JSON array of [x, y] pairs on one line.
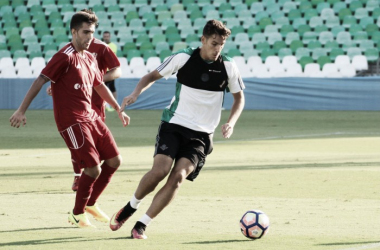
[[101, 183], [86, 184]]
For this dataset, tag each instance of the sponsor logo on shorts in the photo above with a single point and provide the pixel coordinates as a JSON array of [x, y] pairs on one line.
[[164, 147]]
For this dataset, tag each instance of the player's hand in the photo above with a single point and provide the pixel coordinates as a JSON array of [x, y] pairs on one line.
[[48, 91], [125, 119], [17, 119], [227, 130], [128, 100]]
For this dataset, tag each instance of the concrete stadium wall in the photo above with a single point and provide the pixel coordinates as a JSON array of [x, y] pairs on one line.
[[360, 93]]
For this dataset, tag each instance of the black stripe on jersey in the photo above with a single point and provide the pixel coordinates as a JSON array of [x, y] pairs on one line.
[[164, 64], [240, 83]]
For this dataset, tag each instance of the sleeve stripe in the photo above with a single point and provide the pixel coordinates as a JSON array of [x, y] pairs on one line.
[[164, 64], [240, 83]]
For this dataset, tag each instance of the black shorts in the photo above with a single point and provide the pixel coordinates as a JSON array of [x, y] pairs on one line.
[[179, 142], [111, 85]]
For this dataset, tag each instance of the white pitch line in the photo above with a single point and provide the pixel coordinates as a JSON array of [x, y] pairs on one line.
[[294, 137], [370, 246]]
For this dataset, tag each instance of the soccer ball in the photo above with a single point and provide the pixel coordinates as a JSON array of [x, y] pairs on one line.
[[254, 224]]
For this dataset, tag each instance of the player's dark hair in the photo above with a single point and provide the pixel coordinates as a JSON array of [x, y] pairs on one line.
[[215, 27], [83, 16], [106, 32]]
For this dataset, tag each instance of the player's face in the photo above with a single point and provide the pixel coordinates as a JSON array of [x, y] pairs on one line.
[[82, 37], [107, 38], [212, 47]]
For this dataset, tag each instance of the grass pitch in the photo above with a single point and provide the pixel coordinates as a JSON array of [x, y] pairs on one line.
[[315, 173]]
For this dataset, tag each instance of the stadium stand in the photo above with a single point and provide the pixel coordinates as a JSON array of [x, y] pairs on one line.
[[309, 31]]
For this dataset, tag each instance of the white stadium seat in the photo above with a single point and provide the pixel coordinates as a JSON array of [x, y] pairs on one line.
[[312, 70], [360, 62]]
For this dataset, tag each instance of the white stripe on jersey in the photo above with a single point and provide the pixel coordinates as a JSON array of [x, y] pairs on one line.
[[164, 64], [73, 140], [69, 50]]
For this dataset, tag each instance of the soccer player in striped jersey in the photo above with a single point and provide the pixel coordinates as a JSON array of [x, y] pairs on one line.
[[187, 124], [74, 74]]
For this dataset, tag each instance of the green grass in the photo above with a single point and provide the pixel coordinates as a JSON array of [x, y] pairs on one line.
[[315, 173]]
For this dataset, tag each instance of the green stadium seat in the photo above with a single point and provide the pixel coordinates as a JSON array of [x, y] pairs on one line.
[[343, 13], [195, 14], [360, 36], [366, 44], [155, 30], [19, 54], [315, 21], [331, 45], [326, 36], [164, 54], [322, 60], [286, 29], [60, 3], [321, 6], [257, 7], [224, 6], [234, 52], [253, 29], [267, 52], [160, 46], [142, 38], [291, 36], [3, 46], [320, 28], [5, 53], [371, 28], [48, 54], [332, 2], [353, 51], [314, 45], [348, 21], [50, 8], [332, 22], [354, 5], [146, 45], [61, 38], [148, 54], [376, 13], [262, 46], [50, 46], [279, 45], [335, 52], [264, 22], [372, 54], [16, 3], [284, 52], [293, 14], [302, 52], [305, 5], [318, 52], [335, 30], [30, 40], [288, 6], [274, 37], [169, 23], [360, 13], [338, 6], [133, 53], [4, 3], [299, 22], [173, 38], [151, 22], [12, 31], [372, 4], [375, 36], [365, 21], [309, 36], [179, 46], [45, 39]]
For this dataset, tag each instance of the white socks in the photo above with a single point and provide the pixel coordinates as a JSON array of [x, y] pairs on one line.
[[135, 203], [145, 219]]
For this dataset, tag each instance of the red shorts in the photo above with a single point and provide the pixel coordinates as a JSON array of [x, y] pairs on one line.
[[90, 143]]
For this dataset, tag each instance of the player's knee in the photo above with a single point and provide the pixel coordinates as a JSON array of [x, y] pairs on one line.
[[159, 174], [177, 178], [114, 162]]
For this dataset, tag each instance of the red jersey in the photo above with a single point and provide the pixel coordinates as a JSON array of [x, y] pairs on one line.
[[107, 60], [73, 76]]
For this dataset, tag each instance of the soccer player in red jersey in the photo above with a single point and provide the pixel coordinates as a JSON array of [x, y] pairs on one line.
[[75, 75], [109, 66]]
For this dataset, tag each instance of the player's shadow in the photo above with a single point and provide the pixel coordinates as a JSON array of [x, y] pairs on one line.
[[349, 243], [33, 229], [213, 242]]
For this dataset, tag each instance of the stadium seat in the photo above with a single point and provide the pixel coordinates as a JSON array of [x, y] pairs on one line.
[[288, 61], [359, 62], [330, 70], [305, 60], [8, 72], [348, 71], [272, 61], [294, 71], [372, 54], [308, 14], [152, 63], [260, 71], [277, 71], [284, 52], [312, 70]]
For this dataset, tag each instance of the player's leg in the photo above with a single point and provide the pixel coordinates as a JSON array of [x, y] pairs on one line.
[[108, 150], [77, 174], [78, 216], [161, 167], [182, 168]]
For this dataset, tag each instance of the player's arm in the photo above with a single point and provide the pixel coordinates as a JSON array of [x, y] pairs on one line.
[[112, 74], [107, 96], [237, 108], [144, 83], [18, 116]]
